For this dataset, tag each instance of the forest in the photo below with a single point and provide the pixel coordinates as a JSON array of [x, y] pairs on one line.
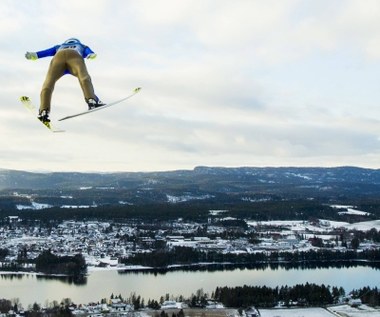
[[199, 210], [49, 263], [300, 295], [161, 259]]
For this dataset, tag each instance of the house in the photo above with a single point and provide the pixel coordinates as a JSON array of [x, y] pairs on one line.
[[170, 304], [252, 312], [355, 302]]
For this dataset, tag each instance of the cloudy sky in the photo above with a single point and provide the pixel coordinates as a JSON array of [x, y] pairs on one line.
[[224, 83]]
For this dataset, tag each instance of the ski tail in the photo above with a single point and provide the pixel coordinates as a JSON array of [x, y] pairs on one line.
[[27, 103]]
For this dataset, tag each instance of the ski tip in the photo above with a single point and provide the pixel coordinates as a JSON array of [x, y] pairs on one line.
[[24, 98], [137, 89]]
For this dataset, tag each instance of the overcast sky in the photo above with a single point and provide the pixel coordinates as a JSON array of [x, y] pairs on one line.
[[224, 83]]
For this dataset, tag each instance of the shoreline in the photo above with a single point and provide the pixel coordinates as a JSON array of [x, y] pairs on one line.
[[211, 266]]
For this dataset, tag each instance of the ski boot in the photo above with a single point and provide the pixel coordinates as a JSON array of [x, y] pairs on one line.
[[44, 117], [94, 103]]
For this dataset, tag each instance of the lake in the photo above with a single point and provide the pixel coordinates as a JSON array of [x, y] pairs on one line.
[[29, 288]]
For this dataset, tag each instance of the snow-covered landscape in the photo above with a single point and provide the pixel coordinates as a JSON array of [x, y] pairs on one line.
[[339, 310], [283, 218], [101, 243]]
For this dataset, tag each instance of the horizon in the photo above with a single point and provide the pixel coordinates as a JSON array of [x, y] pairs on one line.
[[189, 169]]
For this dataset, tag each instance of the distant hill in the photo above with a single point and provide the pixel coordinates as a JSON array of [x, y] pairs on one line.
[[209, 178], [242, 190]]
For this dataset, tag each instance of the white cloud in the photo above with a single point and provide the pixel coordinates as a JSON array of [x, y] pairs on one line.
[[224, 83]]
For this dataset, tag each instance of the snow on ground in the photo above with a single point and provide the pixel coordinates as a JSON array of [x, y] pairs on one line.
[[341, 310], [365, 225], [33, 206], [179, 199], [349, 210], [325, 225], [296, 312], [361, 311], [77, 206]]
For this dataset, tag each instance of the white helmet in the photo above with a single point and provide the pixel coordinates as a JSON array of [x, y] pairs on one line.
[[72, 40]]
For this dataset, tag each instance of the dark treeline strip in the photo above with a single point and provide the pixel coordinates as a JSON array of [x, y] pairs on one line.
[[162, 212], [198, 210], [189, 256], [301, 295]]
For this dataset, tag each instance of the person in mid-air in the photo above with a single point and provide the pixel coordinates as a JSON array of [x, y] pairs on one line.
[[68, 58]]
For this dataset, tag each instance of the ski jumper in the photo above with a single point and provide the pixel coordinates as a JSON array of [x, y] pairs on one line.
[[68, 58]]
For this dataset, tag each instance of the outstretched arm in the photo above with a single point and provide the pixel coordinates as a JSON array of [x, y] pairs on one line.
[[31, 55], [40, 54], [88, 53]]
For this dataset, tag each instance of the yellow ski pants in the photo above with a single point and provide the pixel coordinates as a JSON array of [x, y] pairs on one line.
[[65, 60]]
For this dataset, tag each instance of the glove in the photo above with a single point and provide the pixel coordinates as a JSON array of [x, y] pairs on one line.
[[31, 55], [91, 56]]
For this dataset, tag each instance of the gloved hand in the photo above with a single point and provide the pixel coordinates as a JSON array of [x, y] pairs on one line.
[[91, 56], [31, 55]]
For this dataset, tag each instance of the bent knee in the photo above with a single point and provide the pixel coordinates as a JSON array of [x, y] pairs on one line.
[[84, 78]]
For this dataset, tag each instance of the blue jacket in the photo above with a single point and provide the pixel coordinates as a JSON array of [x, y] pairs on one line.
[[75, 44], [81, 48]]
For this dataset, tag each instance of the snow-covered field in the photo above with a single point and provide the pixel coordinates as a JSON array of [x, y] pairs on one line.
[[349, 210], [299, 225], [324, 225], [361, 311], [341, 310], [296, 312]]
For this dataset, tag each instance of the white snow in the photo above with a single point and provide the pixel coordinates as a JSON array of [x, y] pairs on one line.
[[365, 225], [349, 210], [217, 212], [77, 206], [324, 225], [300, 176], [33, 206], [183, 198], [341, 310], [296, 312], [361, 311]]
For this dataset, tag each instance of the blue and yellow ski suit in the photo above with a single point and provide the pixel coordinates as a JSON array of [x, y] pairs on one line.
[[68, 58]]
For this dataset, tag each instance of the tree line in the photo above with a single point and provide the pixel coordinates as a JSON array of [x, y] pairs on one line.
[[242, 297], [275, 208], [189, 256], [262, 296], [370, 296]]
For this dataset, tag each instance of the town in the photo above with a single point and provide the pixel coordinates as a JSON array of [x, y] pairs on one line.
[[106, 244]]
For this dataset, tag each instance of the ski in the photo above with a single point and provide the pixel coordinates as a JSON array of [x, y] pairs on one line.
[[134, 92], [27, 103]]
